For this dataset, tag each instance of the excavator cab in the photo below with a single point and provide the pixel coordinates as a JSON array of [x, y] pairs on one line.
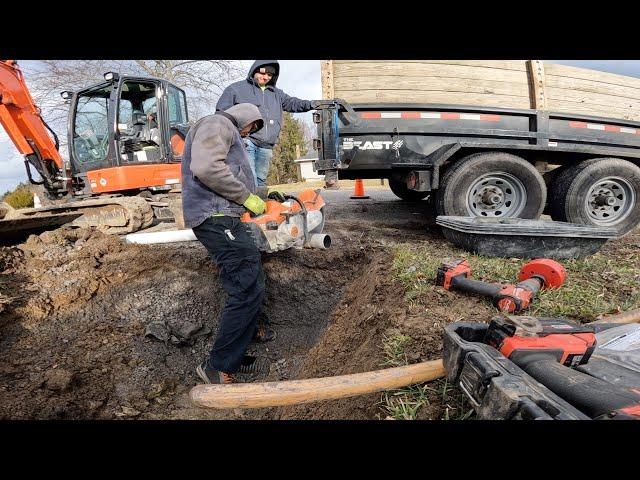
[[127, 134]]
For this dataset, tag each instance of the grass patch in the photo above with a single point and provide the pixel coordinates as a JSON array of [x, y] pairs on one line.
[[602, 283], [405, 403]]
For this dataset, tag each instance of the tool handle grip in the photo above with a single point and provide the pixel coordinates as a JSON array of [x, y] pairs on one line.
[[477, 287]]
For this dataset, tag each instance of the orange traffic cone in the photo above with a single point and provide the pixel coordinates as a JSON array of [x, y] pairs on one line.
[[358, 190]]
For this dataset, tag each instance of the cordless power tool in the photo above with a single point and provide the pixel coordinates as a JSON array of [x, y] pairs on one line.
[[537, 274]]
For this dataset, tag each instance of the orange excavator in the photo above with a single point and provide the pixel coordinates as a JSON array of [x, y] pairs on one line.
[[125, 141]]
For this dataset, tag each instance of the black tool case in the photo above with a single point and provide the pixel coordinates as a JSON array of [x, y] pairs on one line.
[[495, 386]]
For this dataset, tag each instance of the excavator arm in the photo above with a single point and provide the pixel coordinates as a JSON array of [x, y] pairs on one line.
[[21, 119]]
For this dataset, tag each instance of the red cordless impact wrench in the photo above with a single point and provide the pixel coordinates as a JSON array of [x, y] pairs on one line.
[[549, 349], [537, 274]]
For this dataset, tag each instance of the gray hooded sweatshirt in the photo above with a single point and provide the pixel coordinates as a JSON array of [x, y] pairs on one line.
[[216, 174]]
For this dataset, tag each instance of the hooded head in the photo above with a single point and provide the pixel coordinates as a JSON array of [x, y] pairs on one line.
[[268, 65], [245, 114]]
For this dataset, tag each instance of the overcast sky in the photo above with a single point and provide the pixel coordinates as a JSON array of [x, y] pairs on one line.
[[299, 78]]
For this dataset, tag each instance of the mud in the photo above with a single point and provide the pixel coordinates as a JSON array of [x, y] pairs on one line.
[[74, 344]]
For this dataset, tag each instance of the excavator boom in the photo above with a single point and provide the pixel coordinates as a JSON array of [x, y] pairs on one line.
[[21, 119]]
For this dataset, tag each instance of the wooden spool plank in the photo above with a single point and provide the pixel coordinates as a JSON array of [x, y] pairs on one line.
[[441, 84], [327, 79], [592, 75], [556, 106], [593, 99], [518, 65], [537, 85], [412, 96], [427, 70], [577, 84]]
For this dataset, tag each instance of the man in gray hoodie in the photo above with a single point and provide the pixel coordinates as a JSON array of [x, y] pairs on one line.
[[259, 88], [217, 188]]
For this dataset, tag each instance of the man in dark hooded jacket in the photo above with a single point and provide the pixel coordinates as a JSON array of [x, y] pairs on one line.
[[259, 88], [217, 188]]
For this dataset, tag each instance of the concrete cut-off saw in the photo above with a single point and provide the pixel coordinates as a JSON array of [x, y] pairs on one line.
[[297, 222]]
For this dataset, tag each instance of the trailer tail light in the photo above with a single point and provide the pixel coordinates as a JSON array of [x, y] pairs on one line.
[[317, 144]]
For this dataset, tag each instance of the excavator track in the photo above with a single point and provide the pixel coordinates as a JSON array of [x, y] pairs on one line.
[[117, 215], [114, 215]]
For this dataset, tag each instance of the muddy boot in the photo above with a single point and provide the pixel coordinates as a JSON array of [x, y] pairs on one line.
[[253, 367], [263, 333], [211, 375]]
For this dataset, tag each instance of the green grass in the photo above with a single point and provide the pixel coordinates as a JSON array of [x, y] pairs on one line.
[[601, 283], [405, 403]]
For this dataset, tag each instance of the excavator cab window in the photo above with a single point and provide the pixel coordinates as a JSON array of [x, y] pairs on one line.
[[139, 137], [178, 119], [91, 127]]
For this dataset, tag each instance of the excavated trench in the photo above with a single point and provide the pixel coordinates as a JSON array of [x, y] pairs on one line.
[[91, 328]]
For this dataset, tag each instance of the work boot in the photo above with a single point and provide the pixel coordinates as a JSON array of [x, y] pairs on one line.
[[209, 374], [264, 334]]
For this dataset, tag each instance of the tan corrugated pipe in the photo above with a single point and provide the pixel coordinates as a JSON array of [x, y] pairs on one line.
[[277, 394]]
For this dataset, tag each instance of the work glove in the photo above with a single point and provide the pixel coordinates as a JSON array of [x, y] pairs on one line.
[[316, 103], [255, 204], [276, 195]]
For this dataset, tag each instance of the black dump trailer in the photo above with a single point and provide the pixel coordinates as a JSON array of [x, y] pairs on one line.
[[489, 162]]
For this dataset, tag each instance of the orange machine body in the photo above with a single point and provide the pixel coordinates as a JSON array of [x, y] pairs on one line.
[[131, 177]]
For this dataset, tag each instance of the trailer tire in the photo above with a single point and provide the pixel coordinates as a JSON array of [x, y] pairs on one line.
[[582, 192], [400, 190], [514, 187]]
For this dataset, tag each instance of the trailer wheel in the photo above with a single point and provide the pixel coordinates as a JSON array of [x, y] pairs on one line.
[[603, 192], [401, 191], [492, 185]]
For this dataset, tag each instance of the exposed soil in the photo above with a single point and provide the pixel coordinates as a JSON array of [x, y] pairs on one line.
[[76, 343], [92, 328]]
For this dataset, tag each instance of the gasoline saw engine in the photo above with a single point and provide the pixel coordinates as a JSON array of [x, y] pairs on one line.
[[297, 222]]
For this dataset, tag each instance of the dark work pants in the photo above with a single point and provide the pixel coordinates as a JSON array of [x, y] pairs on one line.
[[234, 251]]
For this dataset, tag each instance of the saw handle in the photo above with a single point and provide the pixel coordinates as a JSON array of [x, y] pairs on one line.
[[476, 287]]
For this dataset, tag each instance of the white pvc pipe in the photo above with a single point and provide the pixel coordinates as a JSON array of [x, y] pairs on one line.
[[161, 237], [320, 240]]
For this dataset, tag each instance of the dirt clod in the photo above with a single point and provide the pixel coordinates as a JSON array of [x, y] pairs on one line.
[[58, 380]]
